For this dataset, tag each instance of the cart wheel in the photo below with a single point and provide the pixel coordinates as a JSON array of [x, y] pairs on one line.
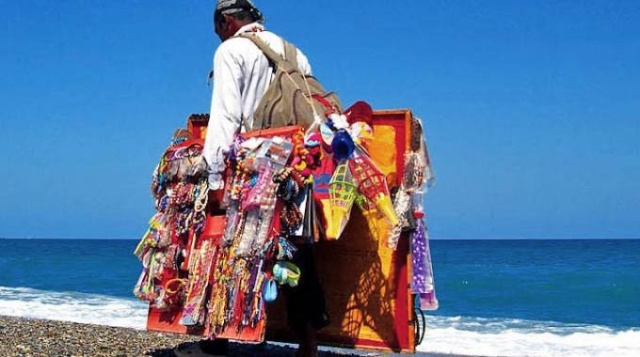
[[419, 323]]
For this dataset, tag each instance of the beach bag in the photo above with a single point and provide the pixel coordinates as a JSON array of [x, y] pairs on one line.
[[292, 98]]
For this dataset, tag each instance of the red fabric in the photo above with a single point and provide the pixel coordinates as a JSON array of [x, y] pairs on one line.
[[359, 111]]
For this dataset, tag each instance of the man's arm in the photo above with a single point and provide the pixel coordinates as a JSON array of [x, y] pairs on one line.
[[226, 113]]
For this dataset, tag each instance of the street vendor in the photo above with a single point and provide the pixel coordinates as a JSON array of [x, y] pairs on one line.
[[242, 74]]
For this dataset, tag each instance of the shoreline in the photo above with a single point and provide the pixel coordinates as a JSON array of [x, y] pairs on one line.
[[37, 337]]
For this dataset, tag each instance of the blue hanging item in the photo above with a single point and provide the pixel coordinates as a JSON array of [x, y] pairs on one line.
[[286, 249], [270, 290], [342, 145]]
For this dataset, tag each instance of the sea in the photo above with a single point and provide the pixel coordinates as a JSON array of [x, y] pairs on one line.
[[497, 297]]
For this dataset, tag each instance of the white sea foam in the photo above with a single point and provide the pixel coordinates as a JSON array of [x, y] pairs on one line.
[[73, 306], [447, 335], [512, 337]]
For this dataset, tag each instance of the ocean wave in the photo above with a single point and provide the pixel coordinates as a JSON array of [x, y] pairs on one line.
[[463, 335], [460, 335], [73, 307]]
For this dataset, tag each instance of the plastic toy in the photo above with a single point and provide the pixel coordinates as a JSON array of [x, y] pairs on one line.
[[342, 193], [373, 185]]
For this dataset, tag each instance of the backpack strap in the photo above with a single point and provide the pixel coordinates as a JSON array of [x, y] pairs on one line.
[[291, 54], [271, 54]]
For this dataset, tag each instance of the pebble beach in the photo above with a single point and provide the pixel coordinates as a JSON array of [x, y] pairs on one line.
[[32, 337]]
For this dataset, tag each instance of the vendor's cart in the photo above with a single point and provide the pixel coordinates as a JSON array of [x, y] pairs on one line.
[[371, 298]]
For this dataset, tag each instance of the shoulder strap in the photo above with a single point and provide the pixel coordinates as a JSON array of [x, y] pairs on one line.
[[270, 53], [291, 54]]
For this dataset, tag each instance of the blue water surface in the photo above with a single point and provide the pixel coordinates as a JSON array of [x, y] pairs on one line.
[[568, 281], [105, 267]]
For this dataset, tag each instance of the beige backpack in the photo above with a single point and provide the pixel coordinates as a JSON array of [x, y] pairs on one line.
[[292, 98]]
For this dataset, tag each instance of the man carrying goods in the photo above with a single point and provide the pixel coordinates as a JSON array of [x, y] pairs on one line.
[[243, 194], [243, 72]]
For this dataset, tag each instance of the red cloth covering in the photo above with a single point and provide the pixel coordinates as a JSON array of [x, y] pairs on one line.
[[359, 111]]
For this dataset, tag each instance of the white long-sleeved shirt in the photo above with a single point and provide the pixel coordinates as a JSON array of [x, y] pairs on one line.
[[241, 77]]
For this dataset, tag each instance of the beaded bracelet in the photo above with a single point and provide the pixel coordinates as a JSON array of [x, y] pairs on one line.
[[291, 217]]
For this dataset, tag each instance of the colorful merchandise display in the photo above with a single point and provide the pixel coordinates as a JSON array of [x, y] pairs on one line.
[[212, 274], [180, 190], [408, 204]]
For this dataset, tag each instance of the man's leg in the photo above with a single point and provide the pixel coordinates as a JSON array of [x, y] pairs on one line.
[[306, 309]]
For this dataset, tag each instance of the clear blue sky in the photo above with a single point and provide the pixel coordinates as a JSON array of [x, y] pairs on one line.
[[532, 108]]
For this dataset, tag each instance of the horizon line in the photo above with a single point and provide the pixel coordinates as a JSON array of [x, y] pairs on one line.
[[430, 238]]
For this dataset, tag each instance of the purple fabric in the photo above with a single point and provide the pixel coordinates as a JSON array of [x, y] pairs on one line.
[[422, 279]]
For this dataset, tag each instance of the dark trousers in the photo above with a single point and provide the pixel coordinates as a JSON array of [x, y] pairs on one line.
[[305, 302]]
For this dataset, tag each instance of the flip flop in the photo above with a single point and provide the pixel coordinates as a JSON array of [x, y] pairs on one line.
[[286, 273]]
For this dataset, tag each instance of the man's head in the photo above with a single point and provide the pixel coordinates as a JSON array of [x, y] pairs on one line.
[[231, 15]]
